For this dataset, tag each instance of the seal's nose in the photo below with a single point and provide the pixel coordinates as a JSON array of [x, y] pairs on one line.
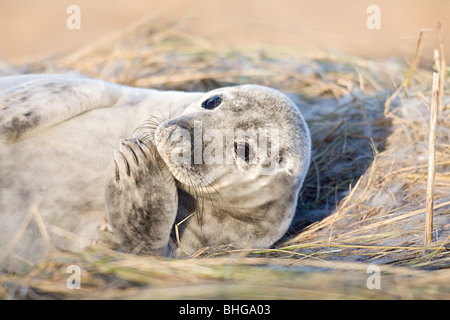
[[165, 133], [173, 143]]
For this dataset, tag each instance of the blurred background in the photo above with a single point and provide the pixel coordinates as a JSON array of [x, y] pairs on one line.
[[32, 30]]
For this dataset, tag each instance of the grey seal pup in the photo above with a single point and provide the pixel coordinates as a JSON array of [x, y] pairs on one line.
[[191, 170]]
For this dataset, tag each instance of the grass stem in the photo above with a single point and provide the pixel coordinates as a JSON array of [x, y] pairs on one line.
[[431, 160]]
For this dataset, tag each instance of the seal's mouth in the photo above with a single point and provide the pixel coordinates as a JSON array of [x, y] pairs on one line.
[[175, 148]]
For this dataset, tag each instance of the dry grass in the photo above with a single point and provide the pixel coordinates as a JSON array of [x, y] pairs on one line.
[[108, 275], [363, 201]]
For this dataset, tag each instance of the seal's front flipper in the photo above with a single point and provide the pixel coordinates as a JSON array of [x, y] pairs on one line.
[[30, 103], [141, 198]]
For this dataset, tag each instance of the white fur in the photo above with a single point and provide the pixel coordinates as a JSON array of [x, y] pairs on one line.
[[58, 133], [61, 164]]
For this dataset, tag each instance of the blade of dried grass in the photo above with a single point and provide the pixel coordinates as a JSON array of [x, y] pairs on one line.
[[42, 228], [413, 63], [19, 233], [442, 65], [358, 246], [431, 160]]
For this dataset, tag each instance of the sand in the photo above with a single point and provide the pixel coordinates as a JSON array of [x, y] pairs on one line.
[[36, 29]]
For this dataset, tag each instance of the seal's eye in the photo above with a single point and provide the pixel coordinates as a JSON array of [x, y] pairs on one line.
[[243, 151], [212, 103]]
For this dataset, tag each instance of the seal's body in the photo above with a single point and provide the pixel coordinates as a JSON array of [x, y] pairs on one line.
[[174, 178]]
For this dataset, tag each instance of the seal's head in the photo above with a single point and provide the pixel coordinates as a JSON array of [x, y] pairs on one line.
[[248, 145]]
